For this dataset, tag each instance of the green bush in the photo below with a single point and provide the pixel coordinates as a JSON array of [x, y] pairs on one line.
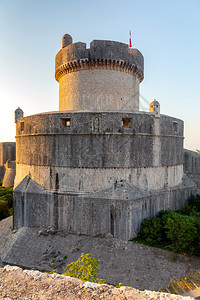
[[6, 201], [181, 231], [9, 199], [194, 202], [152, 231], [192, 206], [4, 210]]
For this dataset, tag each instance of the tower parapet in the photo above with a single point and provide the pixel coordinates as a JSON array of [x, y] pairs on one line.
[[104, 77]]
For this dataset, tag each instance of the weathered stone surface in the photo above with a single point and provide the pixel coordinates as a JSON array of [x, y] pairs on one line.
[[47, 143], [120, 261], [24, 284], [118, 210]]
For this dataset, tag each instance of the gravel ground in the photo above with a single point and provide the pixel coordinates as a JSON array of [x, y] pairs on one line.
[[143, 267], [16, 283]]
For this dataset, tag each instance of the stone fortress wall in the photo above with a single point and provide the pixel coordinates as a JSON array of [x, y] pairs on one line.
[[7, 162], [97, 167], [192, 166]]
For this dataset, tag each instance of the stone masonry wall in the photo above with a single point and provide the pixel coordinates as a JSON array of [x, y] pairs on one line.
[[192, 166], [93, 179], [97, 89], [118, 210], [7, 152], [97, 149]]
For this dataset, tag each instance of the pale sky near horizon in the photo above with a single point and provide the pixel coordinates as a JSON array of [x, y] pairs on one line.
[[166, 32]]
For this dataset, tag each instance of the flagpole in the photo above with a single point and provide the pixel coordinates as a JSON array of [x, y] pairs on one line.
[[130, 42]]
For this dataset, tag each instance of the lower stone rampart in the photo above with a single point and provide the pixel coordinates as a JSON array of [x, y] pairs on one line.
[[10, 173], [7, 153], [118, 210], [191, 165]]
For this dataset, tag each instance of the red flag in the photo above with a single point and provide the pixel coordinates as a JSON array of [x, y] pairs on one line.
[[130, 43]]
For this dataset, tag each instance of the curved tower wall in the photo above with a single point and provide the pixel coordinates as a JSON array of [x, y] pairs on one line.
[[96, 150], [99, 89], [104, 77]]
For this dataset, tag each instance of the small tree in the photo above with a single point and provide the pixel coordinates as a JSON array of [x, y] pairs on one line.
[[85, 268]]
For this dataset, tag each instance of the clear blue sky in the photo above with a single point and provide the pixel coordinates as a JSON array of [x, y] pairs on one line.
[[166, 32]]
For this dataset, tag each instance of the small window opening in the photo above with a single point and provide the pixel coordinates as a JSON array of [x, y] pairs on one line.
[[175, 126], [22, 126], [65, 122], [57, 182], [96, 124], [112, 229], [126, 122]]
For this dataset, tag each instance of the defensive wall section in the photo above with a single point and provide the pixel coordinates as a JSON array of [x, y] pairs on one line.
[[192, 166], [7, 153], [10, 172]]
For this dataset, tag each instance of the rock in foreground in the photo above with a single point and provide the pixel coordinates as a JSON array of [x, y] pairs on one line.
[[16, 283]]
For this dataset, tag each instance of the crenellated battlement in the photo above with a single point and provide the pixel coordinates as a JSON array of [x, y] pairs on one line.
[[106, 69], [104, 54], [88, 64]]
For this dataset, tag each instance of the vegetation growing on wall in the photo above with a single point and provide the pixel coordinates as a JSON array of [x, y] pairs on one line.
[[6, 201], [85, 268], [177, 231]]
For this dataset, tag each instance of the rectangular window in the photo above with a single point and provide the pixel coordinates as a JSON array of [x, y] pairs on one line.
[[22, 126], [96, 124], [65, 122], [126, 122], [175, 126]]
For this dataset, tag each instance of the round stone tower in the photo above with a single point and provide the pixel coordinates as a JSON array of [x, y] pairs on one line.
[[98, 165], [104, 77]]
